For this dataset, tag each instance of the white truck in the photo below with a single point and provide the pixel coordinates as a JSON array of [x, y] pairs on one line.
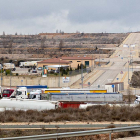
[[137, 100], [25, 91], [9, 66], [28, 64]]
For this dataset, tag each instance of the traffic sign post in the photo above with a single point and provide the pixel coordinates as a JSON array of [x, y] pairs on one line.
[[113, 87]]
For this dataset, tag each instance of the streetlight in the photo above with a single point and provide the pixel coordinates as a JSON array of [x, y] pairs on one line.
[[59, 74], [82, 73]]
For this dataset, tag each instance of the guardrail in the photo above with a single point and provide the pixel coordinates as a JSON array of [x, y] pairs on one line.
[[75, 134]]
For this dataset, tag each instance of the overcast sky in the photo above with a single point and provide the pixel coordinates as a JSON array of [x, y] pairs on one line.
[[88, 16]]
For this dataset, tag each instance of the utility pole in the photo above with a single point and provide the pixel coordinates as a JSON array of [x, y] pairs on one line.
[[10, 75], [82, 73], [99, 57], [92, 62], [1, 74], [132, 64], [59, 72], [128, 72]]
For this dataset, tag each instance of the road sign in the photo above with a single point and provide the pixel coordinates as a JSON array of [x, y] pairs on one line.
[[117, 78], [113, 86], [21, 80], [66, 79], [121, 72], [121, 57], [89, 83]]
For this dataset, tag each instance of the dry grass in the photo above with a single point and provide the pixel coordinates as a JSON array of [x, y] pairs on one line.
[[96, 114]]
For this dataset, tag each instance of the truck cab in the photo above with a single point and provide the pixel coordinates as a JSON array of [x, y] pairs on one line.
[[22, 93], [35, 95], [137, 100], [7, 92]]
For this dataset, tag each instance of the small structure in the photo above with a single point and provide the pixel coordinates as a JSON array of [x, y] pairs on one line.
[[114, 87]]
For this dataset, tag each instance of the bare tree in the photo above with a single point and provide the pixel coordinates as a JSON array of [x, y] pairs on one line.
[[61, 45], [10, 47]]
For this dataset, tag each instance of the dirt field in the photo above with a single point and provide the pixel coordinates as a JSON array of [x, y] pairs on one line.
[[59, 44]]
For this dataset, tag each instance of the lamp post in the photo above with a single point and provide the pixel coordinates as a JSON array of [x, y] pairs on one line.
[[59, 74], [82, 73], [10, 75], [1, 75]]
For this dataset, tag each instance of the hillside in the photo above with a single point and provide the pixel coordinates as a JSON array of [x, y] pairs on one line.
[[58, 44]]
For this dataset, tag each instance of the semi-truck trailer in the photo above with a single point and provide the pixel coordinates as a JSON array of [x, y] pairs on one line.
[[77, 97], [10, 66], [28, 64]]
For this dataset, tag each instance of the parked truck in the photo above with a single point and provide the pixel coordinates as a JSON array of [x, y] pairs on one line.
[[10, 66], [28, 64], [137, 100], [7, 92], [24, 91]]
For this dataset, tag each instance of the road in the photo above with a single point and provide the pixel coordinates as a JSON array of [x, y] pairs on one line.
[[65, 125], [121, 57]]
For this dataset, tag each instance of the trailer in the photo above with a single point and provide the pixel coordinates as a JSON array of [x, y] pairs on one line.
[[28, 64], [9, 66], [67, 90], [84, 97], [77, 97]]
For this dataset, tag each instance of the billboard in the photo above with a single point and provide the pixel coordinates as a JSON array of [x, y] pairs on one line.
[[66, 79]]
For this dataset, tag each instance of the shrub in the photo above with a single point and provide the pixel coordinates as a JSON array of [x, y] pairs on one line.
[[55, 74], [8, 72]]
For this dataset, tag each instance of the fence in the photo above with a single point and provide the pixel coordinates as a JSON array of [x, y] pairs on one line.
[[75, 134]]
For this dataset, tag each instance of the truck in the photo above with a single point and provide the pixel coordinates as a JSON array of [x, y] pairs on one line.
[[9, 66], [7, 92], [137, 100], [28, 64], [24, 91]]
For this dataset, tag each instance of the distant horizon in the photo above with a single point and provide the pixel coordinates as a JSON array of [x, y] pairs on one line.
[[75, 33], [37, 16]]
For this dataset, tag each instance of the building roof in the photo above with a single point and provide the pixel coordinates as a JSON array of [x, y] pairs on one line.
[[55, 60], [77, 58]]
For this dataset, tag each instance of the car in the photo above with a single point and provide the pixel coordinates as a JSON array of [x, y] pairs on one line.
[[34, 71], [56, 71], [39, 68]]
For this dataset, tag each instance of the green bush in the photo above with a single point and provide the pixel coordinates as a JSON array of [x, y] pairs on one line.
[[55, 74], [8, 72]]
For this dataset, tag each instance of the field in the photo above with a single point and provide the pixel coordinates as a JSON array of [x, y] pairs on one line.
[[58, 44], [96, 113]]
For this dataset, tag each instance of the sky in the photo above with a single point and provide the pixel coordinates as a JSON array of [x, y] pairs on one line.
[[69, 16]]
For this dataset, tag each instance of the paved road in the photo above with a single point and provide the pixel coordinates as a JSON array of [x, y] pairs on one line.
[[121, 56], [64, 125]]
